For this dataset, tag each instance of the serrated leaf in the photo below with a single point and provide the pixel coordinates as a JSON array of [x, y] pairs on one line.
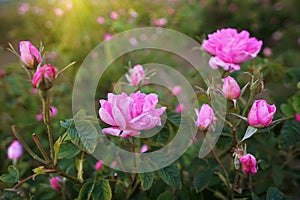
[[102, 190], [275, 194], [12, 176], [202, 177], [290, 133], [171, 175], [86, 190], [68, 150], [88, 135], [167, 195], [147, 180], [277, 175], [287, 109], [249, 132]]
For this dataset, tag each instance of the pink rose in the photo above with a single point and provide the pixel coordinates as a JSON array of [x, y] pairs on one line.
[[176, 90], [231, 89], [297, 117], [101, 20], [99, 165], [160, 22], [206, 118], [180, 108], [44, 77], [29, 54], [55, 182], [136, 75], [114, 15], [107, 36], [128, 115], [249, 164], [261, 114], [144, 148], [231, 48], [15, 150]]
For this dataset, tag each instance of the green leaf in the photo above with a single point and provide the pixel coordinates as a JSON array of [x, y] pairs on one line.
[[167, 195], [68, 150], [287, 109], [147, 180], [254, 196], [102, 190], [171, 175], [249, 132], [275, 194], [296, 103], [175, 119], [12, 176], [67, 123], [290, 133], [86, 190], [202, 176], [277, 175]]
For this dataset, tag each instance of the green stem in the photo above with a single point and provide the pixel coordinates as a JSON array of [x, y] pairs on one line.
[[40, 147], [250, 100], [131, 191], [26, 147], [46, 117]]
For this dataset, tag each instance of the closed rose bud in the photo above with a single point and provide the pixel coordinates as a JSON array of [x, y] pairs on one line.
[[29, 54], [136, 75], [261, 114], [55, 182], [205, 118], [98, 165], [15, 150], [144, 148], [297, 117], [248, 162], [44, 77], [231, 89]]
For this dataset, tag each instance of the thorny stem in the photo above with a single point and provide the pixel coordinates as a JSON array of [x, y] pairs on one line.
[[46, 117], [26, 147], [40, 147]]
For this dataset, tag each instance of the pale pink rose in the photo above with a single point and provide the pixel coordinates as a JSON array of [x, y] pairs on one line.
[[58, 11], [261, 114], [160, 22], [99, 165], [267, 51], [180, 108], [29, 54], [231, 48], [55, 182], [136, 75], [206, 118], [44, 77], [128, 115], [23, 8], [114, 15], [297, 117], [176, 90], [101, 20], [249, 164], [231, 89], [15, 150], [144, 148], [107, 36]]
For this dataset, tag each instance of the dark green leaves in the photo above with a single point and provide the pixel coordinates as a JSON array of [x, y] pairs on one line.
[[275, 194], [147, 180], [67, 150], [12, 176], [170, 175], [96, 190], [202, 177], [290, 133]]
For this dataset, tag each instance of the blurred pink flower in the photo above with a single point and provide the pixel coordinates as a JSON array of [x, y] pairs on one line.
[[23, 8], [206, 118], [1, 73], [44, 77], [53, 112], [249, 164], [297, 117], [133, 41], [261, 114], [55, 182], [136, 75], [144, 148], [267, 51], [58, 11], [180, 108], [113, 164], [29, 54], [231, 89], [114, 15], [107, 36], [33, 91], [99, 165], [15, 150], [176, 90], [128, 115], [231, 48], [160, 22], [101, 20]]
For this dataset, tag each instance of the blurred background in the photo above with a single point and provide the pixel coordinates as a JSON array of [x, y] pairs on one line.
[[70, 29]]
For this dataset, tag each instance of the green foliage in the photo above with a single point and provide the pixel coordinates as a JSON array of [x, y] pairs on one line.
[[12, 176], [290, 133], [202, 176], [274, 193], [147, 180], [171, 175], [96, 190]]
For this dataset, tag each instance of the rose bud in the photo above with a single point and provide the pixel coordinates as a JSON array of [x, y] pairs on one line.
[[15, 150], [261, 114], [55, 182], [29, 54], [231, 89], [44, 77], [205, 118], [249, 164], [98, 165]]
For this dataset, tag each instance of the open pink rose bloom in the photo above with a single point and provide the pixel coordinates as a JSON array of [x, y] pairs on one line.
[[128, 115], [231, 48]]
